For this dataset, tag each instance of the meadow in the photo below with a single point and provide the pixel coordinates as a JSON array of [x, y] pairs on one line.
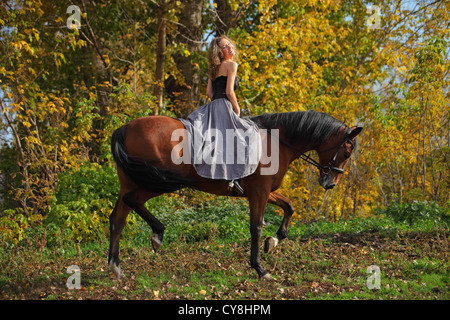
[[205, 256]]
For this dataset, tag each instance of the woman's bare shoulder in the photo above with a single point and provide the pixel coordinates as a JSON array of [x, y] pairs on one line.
[[230, 65]]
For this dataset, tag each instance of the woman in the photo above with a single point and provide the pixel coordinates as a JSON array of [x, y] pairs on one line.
[[224, 146], [223, 63]]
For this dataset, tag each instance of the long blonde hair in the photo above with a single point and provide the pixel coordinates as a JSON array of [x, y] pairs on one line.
[[215, 56]]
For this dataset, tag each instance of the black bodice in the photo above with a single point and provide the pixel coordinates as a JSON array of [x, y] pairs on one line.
[[220, 86]]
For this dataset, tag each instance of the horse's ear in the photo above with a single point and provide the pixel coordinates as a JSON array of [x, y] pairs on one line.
[[355, 131]]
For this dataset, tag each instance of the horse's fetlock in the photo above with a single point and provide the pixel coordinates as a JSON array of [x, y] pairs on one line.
[[282, 234]]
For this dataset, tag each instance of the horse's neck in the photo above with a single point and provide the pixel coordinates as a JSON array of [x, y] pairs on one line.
[[297, 147]]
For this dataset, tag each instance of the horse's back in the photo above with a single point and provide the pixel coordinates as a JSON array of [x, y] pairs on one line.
[[149, 138]]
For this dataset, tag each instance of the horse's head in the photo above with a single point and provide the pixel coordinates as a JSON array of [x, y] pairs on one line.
[[334, 155]]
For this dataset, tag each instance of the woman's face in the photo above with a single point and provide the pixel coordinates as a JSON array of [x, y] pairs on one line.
[[227, 48]]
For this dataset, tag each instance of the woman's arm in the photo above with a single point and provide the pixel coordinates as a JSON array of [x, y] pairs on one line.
[[209, 89], [231, 76]]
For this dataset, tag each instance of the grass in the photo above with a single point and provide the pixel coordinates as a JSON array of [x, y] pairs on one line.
[[205, 256]]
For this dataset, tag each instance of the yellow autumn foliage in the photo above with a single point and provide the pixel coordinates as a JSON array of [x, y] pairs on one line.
[[63, 91]]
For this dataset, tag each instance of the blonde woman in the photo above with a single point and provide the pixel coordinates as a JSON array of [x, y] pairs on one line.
[[224, 146], [222, 71]]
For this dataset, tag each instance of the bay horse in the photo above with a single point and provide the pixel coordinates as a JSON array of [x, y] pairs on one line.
[[142, 152]]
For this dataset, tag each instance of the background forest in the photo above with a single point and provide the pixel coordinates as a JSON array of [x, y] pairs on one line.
[[70, 75]]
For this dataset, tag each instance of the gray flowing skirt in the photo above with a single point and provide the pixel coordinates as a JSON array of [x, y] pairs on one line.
[[222, 145]]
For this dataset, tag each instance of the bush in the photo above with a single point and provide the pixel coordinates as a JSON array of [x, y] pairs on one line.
[[415, 212], [83, 201], [14, 225], [220, 218]]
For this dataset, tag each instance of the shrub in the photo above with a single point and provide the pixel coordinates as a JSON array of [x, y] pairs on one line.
[[83, 201], [220, 218], [416, 212], [14, 225]]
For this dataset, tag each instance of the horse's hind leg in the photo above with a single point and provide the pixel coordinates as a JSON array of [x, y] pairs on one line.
[[117, 222], [131, 200], [136, 200], [278, 199]]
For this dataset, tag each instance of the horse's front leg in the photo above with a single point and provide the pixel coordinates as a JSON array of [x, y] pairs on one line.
[[278, 199], [257, 208]]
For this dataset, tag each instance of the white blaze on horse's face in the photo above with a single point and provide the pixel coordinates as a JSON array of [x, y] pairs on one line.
[[333, 160]]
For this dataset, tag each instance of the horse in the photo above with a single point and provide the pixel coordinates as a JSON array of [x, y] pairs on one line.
[[143, 148]]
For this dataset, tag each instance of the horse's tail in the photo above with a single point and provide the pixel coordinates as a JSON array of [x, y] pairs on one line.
[[118, 149], [141, 172]]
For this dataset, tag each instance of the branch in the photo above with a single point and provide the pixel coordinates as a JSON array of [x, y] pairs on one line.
[[15, 134], [22, 156], [94, 42], [381, 40]]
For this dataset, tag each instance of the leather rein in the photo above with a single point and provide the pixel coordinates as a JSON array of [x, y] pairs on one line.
[[307, 158]]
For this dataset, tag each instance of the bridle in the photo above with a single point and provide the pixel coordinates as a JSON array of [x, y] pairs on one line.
[[326, 170], [330, 166]]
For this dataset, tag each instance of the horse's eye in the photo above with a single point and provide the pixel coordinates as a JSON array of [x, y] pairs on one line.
[[347, 155]]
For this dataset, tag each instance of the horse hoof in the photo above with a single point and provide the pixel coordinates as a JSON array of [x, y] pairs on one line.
[[118, 275], [270, 244], [267, 277], [156, 243]]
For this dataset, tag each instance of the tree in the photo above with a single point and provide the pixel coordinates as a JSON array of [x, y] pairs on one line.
[[63, 91], [184, 89], [160, 55]]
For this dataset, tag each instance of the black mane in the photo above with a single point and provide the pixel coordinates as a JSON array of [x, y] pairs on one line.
[[312, 126]]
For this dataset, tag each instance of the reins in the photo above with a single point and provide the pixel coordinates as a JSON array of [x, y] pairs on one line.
[[307, 158]]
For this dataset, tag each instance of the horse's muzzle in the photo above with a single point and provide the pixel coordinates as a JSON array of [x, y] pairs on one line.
[[326, 181]]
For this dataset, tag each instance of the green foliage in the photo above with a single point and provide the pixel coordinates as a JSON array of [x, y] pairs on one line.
[[218, 219], [83, 201], [416, 212], [14, 225]]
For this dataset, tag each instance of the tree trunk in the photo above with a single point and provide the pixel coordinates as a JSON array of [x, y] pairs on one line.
[[186, 95], [23, 162], [103, 90], [160, 55]]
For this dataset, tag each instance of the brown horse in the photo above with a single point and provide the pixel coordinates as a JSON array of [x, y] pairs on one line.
[[142, 151]]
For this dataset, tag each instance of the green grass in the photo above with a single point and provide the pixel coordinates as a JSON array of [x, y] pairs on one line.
[[206, 251]]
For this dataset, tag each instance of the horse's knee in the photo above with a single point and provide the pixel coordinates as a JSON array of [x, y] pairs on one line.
[[255, 230], [117, 222], [288, 208]]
